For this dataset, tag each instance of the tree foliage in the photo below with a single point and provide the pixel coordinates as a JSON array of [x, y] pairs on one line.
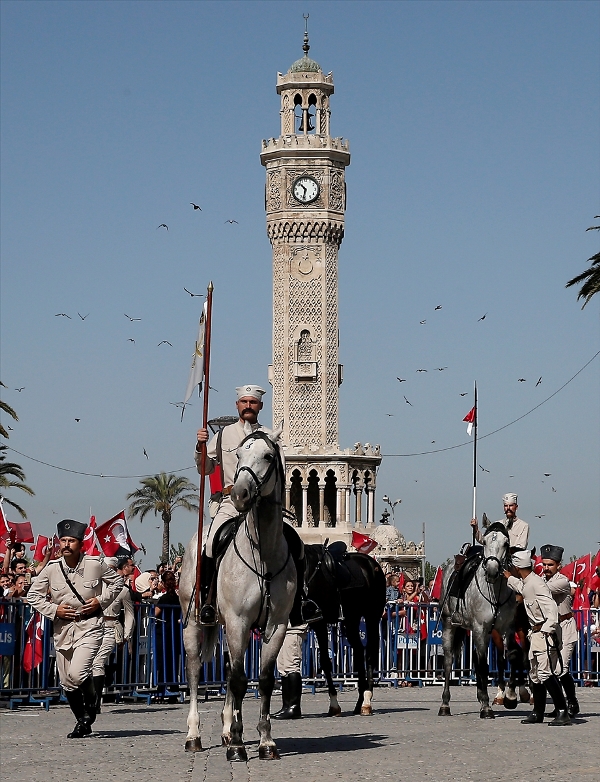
[[591, 277], [12, 475]]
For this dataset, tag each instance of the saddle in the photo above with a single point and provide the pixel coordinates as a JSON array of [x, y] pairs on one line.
[[334, 564], [465, 571], [228, 530]]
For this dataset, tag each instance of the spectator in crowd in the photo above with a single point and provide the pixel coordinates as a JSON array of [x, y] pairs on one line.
[[15, 562], [146, 585], [167, 636], [6, 582], [391, 592], [19, 588]]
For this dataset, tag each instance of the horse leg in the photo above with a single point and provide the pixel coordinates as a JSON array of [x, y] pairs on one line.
[[267, 749], [515, 657], [448, 647], [358, 653], [236, 689], [372, 662], [191, 642], [320, 630], [480, 642], [499, 644]]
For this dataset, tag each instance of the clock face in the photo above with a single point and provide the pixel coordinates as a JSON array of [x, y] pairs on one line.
[[305, 189]]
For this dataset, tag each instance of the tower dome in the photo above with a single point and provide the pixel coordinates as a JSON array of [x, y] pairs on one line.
[[305, 64]]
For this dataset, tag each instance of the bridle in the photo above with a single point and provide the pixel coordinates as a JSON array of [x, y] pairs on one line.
[[501, 562], [276, 463]]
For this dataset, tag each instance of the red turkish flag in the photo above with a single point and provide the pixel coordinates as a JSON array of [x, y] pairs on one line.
[[136, 572], [41, 547], [4, 528], [33, 651], [436, 590], [90, 541], [537, 566], [113, 536], [20, 531], [583, 569], [363, 543], [470, 420], [594, 580], [568, 570], [55, 548]]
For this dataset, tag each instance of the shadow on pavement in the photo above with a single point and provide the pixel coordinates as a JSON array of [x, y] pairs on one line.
[[141, 710], [321, 744], [115, 734]]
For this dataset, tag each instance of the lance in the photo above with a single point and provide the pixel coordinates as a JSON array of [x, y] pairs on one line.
[[203, 451], [475, 460]]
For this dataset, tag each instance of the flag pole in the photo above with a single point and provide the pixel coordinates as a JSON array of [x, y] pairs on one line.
[[207, 336], [475, 460]]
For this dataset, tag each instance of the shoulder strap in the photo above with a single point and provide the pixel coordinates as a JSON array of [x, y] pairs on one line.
[[220, 456], [72, 588]]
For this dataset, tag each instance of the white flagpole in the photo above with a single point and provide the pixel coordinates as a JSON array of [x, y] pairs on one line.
[[474, 516]]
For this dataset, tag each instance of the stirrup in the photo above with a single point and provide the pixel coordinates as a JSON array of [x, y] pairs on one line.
[[208, 615], [311, 612]]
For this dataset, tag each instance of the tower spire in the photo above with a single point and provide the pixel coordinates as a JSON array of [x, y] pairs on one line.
[[306, 45]]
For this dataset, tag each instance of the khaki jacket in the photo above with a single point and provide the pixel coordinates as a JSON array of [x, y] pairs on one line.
[[560, 588], [230, 442], [518, 533], [123, 600], [539, 604]]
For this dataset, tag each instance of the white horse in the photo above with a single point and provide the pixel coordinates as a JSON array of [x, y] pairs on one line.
[[256, 584]]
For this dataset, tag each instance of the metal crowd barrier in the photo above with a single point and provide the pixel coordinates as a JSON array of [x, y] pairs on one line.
[[152, 666]]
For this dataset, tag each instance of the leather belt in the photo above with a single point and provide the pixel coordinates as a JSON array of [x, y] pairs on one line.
[[110, 618], [536, 628], [565, 617], [83, 617], [226, 491]]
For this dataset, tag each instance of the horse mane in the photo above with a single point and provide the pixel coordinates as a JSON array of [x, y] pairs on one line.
[[497, 526]]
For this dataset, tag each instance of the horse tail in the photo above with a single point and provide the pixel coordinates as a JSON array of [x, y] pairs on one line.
[[209, 643]]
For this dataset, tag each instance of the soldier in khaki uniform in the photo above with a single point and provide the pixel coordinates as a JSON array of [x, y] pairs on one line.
[[73, 591], [518, 530], [221, 453], [544, 639], [560, 587], [114, 632], [289, 665]]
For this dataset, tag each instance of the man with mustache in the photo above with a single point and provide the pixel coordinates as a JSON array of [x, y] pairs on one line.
[[73, 591], [221, 453]]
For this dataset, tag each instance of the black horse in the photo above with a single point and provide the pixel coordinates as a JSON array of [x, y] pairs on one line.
[[355, 583]]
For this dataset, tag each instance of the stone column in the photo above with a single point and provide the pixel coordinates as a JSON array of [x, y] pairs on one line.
[[358, 509], [305, 504], [340, 507], [371, 506], [347, 504], [321, 504], [288, 492]]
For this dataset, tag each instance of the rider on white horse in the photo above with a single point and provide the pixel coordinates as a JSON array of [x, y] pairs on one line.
[[221, 453]]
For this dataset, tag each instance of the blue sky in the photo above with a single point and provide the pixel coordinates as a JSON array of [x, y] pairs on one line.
[[474, 133]]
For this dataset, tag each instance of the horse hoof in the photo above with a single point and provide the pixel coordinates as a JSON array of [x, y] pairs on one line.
[[524, 695], [193, 745], [444, 711], [225, 740], [487, 714], [237, 753], [268, 753], [498, 702], [366, 711], [510, 703], [334, 711]]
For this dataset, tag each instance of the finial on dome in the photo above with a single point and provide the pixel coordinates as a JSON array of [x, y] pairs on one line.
[[306, 45]]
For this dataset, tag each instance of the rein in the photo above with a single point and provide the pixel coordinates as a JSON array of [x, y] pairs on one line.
[[496, 604]]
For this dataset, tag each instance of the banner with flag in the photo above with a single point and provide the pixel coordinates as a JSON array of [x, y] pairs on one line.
[[579, 570], [197, 369], [20, 531], [470, 420], [33, 651], [114, 538], [363, 543], [41, 548]]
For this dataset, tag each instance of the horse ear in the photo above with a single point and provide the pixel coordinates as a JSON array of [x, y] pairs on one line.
[[276, 434]]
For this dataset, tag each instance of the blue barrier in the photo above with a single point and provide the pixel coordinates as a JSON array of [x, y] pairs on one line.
[[153, 665]]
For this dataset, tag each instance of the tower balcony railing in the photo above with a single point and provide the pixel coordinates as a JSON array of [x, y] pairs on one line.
[[305, 141]]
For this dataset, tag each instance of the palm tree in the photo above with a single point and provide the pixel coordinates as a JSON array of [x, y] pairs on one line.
[[163, 493], [5, 407], [9, 471], [589, 278]]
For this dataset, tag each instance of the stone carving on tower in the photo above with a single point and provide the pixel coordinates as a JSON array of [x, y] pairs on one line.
[[305, 202]]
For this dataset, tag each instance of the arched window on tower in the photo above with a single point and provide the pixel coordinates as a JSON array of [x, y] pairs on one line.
[[306, 365], [298, 114], [296, 497]]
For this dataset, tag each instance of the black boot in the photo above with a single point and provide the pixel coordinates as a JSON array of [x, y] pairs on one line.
[[291, 695], [83, 727], [560, 704], [304, 611], [89, 699], [208, 614], [98, 687], [568, 686], [539, 705]]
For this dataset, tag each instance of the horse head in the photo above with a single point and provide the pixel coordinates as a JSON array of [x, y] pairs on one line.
[[259, 469], [496, 549]]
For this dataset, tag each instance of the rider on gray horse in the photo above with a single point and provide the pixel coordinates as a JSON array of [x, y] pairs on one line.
[[221, 453]]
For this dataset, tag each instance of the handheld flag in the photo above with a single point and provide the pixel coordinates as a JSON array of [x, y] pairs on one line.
[[197, 369], [21, 532], [90, 541], [33, 651], [363, 543], [4, 528], [436, 590], [114, 537], [41, 548]]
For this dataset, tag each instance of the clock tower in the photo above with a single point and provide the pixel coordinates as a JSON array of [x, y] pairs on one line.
[[305, 201]]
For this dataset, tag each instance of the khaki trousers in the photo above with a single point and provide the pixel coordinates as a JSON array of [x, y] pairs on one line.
[[75, 663], [289, 659], [542, 662], [227, 510], [105, 650]]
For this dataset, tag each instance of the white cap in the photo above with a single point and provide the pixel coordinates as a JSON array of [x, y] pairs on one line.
[[510, 499], [254, 391], [522, 559]]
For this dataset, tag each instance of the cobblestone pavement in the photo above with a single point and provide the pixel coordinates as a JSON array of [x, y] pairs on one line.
[[404, 739]]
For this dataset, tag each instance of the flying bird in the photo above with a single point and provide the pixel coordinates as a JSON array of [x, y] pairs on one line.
[[162, 225], [538, 382], [195, 206], [541, 516], [130, 318], [192, 294], [63, 315], [78, 420], [553, 489], [20, 389], [421, 370], [407, 402], [439, 307], [483, 469], [145, 454], [483, 317], [466, 392], [521, 380], [231, 222], [9, 428], [164, 342], [180, 404], [391, 415], [432, 442], [131, 340], [422, 322], [441, 369], [401, 379], [83, 317], [511, 476]]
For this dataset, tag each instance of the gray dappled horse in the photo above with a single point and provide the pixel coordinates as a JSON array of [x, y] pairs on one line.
[[488, 603], [256, 584]]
